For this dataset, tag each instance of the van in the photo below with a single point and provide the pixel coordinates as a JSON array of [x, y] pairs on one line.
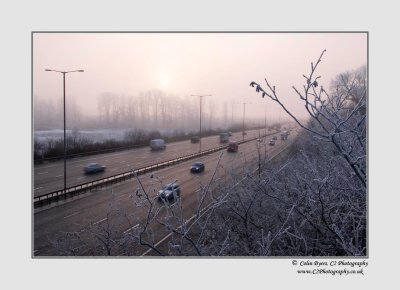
[[157, 144], [223, 138]]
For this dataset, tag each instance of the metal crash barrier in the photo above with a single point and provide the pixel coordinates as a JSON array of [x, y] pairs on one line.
[[47, 198]]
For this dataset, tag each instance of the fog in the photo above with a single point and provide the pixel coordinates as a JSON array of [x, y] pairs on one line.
[[148, 79]]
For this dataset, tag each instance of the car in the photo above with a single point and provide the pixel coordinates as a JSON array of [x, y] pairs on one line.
[[232, 147], [274, 138], [94, 168], [272, 142], [197, 167], [169, 192]]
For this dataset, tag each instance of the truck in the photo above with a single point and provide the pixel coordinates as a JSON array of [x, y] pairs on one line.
[[223, 137], [157, 144], [284, 135], [195, 139]]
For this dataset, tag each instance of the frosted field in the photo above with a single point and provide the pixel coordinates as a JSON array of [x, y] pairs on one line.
[[95, 135], [42, 136]]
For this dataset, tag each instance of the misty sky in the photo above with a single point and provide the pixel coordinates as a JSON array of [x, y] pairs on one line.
[[183, 64]]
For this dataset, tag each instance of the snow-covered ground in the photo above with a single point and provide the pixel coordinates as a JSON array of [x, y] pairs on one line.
[[42, 136], [94, 135]]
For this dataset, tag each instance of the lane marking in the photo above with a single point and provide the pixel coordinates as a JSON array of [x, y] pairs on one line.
[[132, 228], [42, 172], [100, 221], [72, 214], [82, 177], [59, 175], [38, 188]]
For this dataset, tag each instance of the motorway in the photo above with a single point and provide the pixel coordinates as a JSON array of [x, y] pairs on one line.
[[94, 208], [49, 177]]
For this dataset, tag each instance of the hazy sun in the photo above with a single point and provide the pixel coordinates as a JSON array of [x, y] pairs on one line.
[[165, 80]]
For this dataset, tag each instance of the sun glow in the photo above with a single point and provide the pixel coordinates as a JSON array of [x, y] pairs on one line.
[[164, 80]]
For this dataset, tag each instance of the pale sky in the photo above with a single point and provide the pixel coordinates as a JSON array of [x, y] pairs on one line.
[[220, 64]]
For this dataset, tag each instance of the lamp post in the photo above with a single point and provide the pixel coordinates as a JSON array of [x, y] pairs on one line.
[[265, 122], [65, 140], [244, 110], [201, 97]]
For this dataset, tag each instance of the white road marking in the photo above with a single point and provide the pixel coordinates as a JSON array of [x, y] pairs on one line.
[[38, 188], [134, 227], [82, 177], [42, 172], [114, 169], [100, 221], [59, 175], [75, 213]]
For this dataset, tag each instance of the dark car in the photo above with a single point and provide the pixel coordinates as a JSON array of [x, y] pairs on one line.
[[272, 142], [197, 167], [232, 147], [274, 138], [94, 168], [170, 192]]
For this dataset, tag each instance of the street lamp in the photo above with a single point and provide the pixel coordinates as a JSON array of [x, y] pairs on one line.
[[201, 97], [244, 110], [65, 141]]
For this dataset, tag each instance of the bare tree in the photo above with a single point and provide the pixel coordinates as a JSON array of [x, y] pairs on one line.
[[334, 119]]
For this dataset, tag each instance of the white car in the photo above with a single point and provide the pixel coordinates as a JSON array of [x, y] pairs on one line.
[[170, 192]]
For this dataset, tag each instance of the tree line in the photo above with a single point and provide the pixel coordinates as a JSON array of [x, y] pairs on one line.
[[153, 109]]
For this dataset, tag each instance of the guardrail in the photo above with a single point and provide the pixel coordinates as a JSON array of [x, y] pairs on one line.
[[99, 183]]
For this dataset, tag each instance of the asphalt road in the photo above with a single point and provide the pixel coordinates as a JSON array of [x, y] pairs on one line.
[[94, 208], [49, 177]]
